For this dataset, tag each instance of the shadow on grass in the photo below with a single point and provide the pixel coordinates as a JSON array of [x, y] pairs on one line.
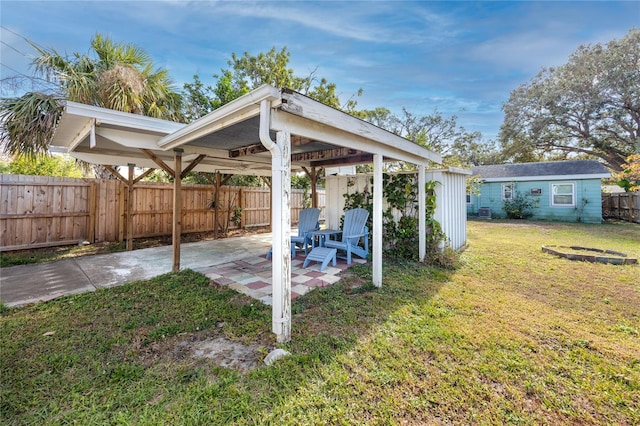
[[114, 355]]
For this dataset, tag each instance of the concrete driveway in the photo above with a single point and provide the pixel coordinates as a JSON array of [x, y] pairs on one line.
[[25, 284]]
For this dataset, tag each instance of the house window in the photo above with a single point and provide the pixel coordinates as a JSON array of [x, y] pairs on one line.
[[469, 199], [563, 194], [507, 191]]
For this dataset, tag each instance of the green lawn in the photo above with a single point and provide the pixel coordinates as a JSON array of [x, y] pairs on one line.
[[512, 336]]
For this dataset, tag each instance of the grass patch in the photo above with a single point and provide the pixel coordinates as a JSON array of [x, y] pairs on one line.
[[512, 336]]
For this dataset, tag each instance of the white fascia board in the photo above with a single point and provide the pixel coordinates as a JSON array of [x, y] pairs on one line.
[[122, 119], [303, 106], [301, 126], [452, 170], [240, 109], [550, 177]]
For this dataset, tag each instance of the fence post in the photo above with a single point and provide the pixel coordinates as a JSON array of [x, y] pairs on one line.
[[122, 196], [92, 212], [216, 209], [130, 208], [241, 205]]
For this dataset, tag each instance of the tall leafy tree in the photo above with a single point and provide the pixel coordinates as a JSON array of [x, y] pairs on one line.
[[438, 133], [629, 177], [118, 76], [589, 106], [247, 72]]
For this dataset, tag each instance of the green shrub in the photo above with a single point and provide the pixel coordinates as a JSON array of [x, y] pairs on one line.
[[521, 206]]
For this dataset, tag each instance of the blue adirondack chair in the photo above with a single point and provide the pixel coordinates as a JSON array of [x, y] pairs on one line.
[[354, 230], [307, 222]]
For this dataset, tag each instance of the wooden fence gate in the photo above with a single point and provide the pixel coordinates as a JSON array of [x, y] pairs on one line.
[[623, 206]]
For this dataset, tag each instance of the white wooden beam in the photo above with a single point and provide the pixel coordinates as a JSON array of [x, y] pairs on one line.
[[377, 220], [303, 106], [281, 223], [339, 137], [82, 134], [282, 219]]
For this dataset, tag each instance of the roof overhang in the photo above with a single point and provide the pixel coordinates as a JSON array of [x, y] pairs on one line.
[[229, 136], [550, 177]]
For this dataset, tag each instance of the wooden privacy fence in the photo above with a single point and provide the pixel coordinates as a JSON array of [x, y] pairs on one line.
[[37, 211], [623, 206]]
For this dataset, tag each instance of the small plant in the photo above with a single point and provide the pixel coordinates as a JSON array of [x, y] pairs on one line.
[[580, 210], [521, 206], [236, 217]]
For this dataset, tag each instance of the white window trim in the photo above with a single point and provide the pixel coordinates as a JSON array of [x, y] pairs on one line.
[[573, 194], [504, 185]]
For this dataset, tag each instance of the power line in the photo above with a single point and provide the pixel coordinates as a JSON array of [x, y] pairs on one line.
[[19, 35], [12, 48], [16, 71], [31, 42]]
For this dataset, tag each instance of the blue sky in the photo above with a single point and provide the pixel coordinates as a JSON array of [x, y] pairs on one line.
[[461, 58]]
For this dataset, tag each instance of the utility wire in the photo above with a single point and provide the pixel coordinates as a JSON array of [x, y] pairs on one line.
[[13, 48], [33, 43]]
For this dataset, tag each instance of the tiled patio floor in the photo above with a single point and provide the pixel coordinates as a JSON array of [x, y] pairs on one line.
[[252, 276]]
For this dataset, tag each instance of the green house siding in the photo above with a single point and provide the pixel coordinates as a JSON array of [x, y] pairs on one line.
[[586, 195]]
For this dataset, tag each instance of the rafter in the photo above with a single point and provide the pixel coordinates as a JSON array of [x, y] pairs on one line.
[[192, 165], [258, 147], [247, 150], [159, 162], [354, 159], [143, 175], [324, 154], [115, 173]]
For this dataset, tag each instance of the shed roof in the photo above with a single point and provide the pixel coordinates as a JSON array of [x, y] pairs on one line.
[[550, 170]]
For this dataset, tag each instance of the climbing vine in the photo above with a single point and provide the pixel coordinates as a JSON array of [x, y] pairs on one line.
[[400, 219]]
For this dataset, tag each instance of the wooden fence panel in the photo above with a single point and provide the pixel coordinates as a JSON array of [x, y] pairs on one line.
[[37, 211], [41, 211], [622, 206]]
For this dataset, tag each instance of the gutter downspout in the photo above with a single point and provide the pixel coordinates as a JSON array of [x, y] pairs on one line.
[[281, 223]]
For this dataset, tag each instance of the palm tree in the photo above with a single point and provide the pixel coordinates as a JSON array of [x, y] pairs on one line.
[[120, 76]]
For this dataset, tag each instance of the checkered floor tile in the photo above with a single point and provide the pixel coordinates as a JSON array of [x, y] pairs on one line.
[[252, 276]]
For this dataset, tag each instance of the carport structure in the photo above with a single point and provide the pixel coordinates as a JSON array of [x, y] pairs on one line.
[[267, 132]]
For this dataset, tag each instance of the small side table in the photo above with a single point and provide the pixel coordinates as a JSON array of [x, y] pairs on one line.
[[322, 235]]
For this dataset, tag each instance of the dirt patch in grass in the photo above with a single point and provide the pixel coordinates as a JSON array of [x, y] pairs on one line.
[[208, 345]]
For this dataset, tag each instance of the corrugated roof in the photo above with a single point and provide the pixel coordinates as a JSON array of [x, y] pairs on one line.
[[550, 168]]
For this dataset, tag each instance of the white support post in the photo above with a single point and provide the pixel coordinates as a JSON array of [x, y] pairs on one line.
[[280, 223], [281, 263], [177, 207], [422, 214], [377, 220]]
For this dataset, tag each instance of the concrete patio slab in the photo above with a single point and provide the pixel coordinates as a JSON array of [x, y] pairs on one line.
[[237, 262]]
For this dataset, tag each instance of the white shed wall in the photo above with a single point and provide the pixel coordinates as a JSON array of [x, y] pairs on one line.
[[451, 205]]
